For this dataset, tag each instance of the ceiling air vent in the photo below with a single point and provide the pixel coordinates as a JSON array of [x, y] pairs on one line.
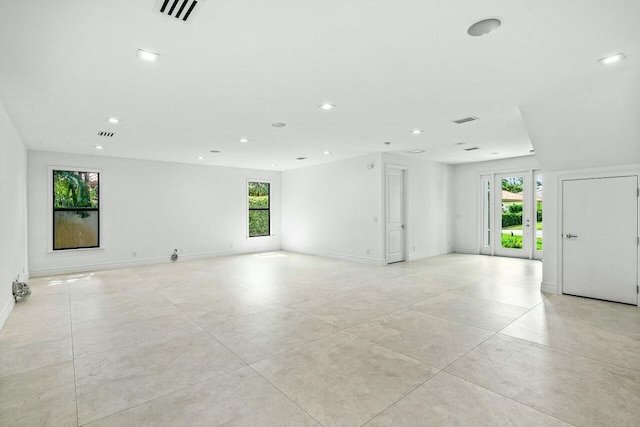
[[182, 10], [301, 158], [466, 120], [472, 149], [103, 133]]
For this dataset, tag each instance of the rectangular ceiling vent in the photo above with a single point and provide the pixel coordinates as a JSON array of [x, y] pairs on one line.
[[108, 134], [182, 10], [472, 149], [466, 120]]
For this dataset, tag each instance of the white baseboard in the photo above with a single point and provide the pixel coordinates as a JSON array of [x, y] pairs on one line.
[[43, 272], [6, 311], [471, 251], [550, 288], [339, 256], [422, 255]]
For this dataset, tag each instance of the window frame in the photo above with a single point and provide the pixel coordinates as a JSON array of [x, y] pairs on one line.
[[249, 208], [51, 208]]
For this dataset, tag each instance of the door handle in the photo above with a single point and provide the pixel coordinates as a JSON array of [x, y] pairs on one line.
[[569, 236], [404, 226]]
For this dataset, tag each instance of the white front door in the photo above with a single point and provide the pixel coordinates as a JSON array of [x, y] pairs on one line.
[[513, 222], [599, 238], [395, 225]]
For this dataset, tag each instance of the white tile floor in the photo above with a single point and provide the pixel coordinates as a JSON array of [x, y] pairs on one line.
[[293, 340]]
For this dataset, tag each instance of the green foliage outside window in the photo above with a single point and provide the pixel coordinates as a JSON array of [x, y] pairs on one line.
[[259, 209], [75, 189]]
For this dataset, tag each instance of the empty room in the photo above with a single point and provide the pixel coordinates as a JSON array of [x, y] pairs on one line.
[[319, 213]]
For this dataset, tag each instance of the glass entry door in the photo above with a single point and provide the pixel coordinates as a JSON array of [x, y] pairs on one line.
[[513, 223]]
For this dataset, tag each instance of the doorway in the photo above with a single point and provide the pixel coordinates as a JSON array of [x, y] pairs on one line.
[[395, 226], [600, 238], [513, 223]]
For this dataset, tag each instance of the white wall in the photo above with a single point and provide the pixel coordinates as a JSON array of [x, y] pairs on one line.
[[429, 205], [334, 209], [151, 208], [13, 214], [467, 193]]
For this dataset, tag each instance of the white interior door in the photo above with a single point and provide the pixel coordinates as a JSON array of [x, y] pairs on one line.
[[512, 218], [599, 238], [395, 225]]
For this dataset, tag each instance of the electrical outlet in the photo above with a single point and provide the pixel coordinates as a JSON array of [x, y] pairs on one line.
[[414, 249]]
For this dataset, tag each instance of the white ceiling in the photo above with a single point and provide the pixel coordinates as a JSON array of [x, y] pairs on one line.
[[389, 66]]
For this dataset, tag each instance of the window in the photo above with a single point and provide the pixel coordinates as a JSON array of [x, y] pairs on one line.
[[76, 210], [259, 209]]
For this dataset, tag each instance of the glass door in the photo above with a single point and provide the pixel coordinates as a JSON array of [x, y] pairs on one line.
[[513, 223]]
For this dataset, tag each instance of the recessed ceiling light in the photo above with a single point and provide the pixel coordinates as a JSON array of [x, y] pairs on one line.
[[244, 140], [417, 131], [201, 157], [484, 27], [215, 151], [98, 147], [113, 120], [278, 125], [274, 164], [417, 151], [327, 152], [147, 56], [327, 107], [611, 59]]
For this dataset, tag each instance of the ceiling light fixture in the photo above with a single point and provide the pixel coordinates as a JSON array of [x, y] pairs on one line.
[[98, 147], [147, 56], [417, 131], [113, 120], [416, 151], [484, 27], [327, 152], [612, 59], [327, 107], [244, 140], [201, 157], [274, 165], [278, 125]]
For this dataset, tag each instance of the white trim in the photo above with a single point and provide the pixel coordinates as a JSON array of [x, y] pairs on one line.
[[422, 255], [6, 311], [551, 288], [42, 272], [50, 207], [342, 257]]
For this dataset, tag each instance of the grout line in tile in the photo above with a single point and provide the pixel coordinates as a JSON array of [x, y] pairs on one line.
[[75, 382]]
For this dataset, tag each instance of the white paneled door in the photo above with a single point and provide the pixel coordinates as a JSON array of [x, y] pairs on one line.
[[395, 218], [600, 238]]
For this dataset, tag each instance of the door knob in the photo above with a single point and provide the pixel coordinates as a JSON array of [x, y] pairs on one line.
[[569, 236]]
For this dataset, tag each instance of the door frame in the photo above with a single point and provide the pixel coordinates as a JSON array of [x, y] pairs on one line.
[[530, 174], [560, 240], [405, 174]]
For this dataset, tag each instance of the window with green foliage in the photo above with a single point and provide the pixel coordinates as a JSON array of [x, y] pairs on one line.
[[76, 210], [259, 209]]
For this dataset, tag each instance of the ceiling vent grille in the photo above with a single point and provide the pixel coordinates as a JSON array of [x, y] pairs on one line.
[[472, 149], [466, 120], [301, 158], [108, 134], [182, 10]]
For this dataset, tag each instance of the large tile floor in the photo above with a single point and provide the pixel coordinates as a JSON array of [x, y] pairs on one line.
[[284, 339]]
